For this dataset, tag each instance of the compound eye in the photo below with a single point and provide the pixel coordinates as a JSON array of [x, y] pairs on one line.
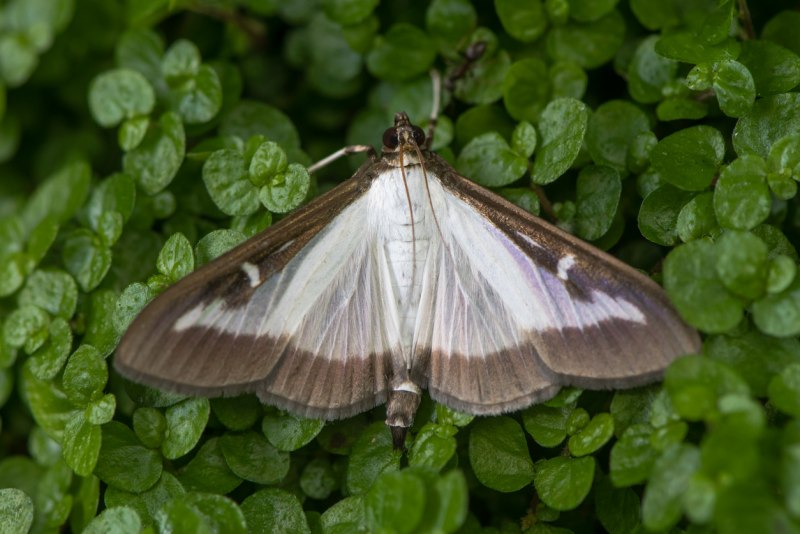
[[418, 135], [390, 139]]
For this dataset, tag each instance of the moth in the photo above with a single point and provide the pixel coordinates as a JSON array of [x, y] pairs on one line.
[[406, 277]]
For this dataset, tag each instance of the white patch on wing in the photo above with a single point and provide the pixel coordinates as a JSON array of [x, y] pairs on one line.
[[483, 294], [564, 265], [252, 272]]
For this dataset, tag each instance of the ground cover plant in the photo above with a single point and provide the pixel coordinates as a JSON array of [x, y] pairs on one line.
[[140, 139]]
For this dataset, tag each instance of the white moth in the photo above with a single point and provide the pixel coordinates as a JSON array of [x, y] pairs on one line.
[[406, 277]]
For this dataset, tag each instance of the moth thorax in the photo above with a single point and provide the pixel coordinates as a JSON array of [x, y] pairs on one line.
[[400, 409]]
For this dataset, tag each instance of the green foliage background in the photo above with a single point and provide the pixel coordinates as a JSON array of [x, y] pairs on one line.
[[140, 139]]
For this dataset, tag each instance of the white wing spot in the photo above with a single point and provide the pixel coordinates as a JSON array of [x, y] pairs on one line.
[[252, 273], [564, 265]]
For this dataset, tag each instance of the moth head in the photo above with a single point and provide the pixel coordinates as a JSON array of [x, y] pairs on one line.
[[403, 136]]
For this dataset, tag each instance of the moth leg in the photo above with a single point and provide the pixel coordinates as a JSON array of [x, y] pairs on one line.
[[346, 151]]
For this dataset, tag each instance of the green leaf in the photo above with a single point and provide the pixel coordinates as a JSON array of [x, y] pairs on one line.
[[86, 258], [632, 456], [689, 158], [186, 421], [237, 413], [526, 89], [150, 425], [48, 360], [781, 29], [697, 218], [347, 515], [16, 509], [248, 118], [690, 278], [176, 258], [782, 272], [661, 505], [489, 161], [372, 454], [770, 119], [562, 127], [198, 99], [784, 157], [13, 269], [225, 176], [130, 303], [147, 503], [119, 520], [499, 454], [563, 483], [201, 512], [568, 79], [677, 108], [115, 193], [774, 68], [209, 471], [616, 508], [658, 216], [598, 192], [347, 12], [484, 82], [592, 436], [318, 479], [779, 314], [85, 375], [41, 238], [523, 197], [611, 131], [686, 47], [288, 432], [155, 162], [589, 44], [267, 161], [215, 244], [402, 53], [286, 190], [742, 263], [434, 446], [734, 86], [450, 20], [120, 94], [274, 510], [547, 424], [131, 132], [60, 196], [123, 462], [251, 457], [81, 443], [523, 139], [742, 198], [395, 502], [524, 21], [182, 59], [50, 408], [695, 383], [26, 326], [649, 72]]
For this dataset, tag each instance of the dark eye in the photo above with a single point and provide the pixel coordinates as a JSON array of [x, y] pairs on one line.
[[418, 135], [390, 139]]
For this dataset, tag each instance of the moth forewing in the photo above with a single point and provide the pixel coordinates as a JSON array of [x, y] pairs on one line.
[[406, 277]]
